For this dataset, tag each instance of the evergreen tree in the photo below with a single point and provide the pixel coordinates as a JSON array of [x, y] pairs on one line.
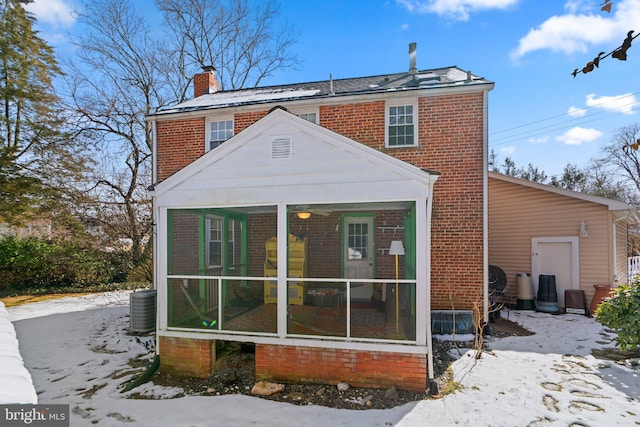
[[36, 157]]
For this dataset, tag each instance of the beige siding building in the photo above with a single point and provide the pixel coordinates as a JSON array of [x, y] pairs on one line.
[[540, 229]]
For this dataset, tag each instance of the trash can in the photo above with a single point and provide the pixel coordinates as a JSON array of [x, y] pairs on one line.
[[525, 299], [547, 294]]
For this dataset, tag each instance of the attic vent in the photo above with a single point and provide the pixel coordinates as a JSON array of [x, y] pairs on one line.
[[282, 147]]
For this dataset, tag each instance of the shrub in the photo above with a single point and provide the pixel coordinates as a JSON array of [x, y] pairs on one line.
[[621, 312], [143, 273], [36, 263]]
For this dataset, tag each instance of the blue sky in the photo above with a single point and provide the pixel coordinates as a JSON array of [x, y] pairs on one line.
[[538, 112]]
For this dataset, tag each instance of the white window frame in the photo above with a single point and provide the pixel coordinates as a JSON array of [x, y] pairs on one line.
[[401, 103], [307, 111], [208, 130], [210, 219]]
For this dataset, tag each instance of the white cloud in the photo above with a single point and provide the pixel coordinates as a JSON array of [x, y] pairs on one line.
[[539, 140], [507, 151], [578, 136], [576, 111], [575, 6], [404, 27], [58, 13], [620, 104], [456, 9], [577, 31]]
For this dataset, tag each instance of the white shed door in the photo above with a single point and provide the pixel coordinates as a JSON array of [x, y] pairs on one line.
[[358, 254], [557, 256]]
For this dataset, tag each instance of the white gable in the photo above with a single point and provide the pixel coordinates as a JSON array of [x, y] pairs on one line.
[[283, 158]]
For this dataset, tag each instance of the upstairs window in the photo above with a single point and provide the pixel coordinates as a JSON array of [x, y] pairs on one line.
[[312, 117], [219, 132], [401, 125]]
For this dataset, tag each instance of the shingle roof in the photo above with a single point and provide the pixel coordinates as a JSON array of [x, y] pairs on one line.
[[435, 78]]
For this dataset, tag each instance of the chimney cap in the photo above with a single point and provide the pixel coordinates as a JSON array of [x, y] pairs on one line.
[[209, 68]]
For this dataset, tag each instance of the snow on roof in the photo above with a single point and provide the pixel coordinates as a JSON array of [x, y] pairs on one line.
[[426, 79], [243, 97]]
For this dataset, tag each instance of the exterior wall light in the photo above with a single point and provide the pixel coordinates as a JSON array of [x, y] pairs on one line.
[[584, 232]]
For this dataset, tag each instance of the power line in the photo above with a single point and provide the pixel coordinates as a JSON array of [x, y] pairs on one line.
[[555, 127], [558, 125], [564, 114]]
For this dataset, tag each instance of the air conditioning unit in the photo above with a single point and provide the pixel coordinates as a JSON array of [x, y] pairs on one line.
[[142, 312]]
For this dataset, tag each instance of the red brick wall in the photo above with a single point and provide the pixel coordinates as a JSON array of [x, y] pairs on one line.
[[386, 264], [259, 228], [323, 243], [185, 243], [369, 369], [187, 357], [451, 142], [362, 122], [179, 143], [242, 120], [451, 136]]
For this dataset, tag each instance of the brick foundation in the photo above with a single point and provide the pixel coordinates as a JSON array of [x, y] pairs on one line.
[[187, 357], [370, 369]]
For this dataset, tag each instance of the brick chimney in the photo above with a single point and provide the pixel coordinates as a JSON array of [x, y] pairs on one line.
[[205, 82]]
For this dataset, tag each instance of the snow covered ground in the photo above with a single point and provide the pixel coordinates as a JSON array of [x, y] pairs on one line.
[[15, 382], [77, 351]]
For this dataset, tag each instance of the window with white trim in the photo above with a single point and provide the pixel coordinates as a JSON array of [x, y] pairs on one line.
[[214, 241], [312, 117], [310, 114], [218, 131], [401, 125]]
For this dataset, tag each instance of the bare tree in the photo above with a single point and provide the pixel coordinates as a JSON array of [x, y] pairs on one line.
[[114, 85], [126, 69], [243, 39], [623, 161]]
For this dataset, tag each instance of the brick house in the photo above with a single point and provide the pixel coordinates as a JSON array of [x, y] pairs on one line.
[[279, 210]]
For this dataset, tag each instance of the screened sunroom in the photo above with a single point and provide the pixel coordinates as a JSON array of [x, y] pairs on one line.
[[223, 264], [291, 232]]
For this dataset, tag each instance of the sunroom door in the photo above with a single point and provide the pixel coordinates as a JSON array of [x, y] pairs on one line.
[[358, 253]]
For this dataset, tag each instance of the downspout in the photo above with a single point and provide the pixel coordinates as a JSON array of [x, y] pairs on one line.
[[485, 207], [154, 216], [160, 300], [154, 150], [428, 249]]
